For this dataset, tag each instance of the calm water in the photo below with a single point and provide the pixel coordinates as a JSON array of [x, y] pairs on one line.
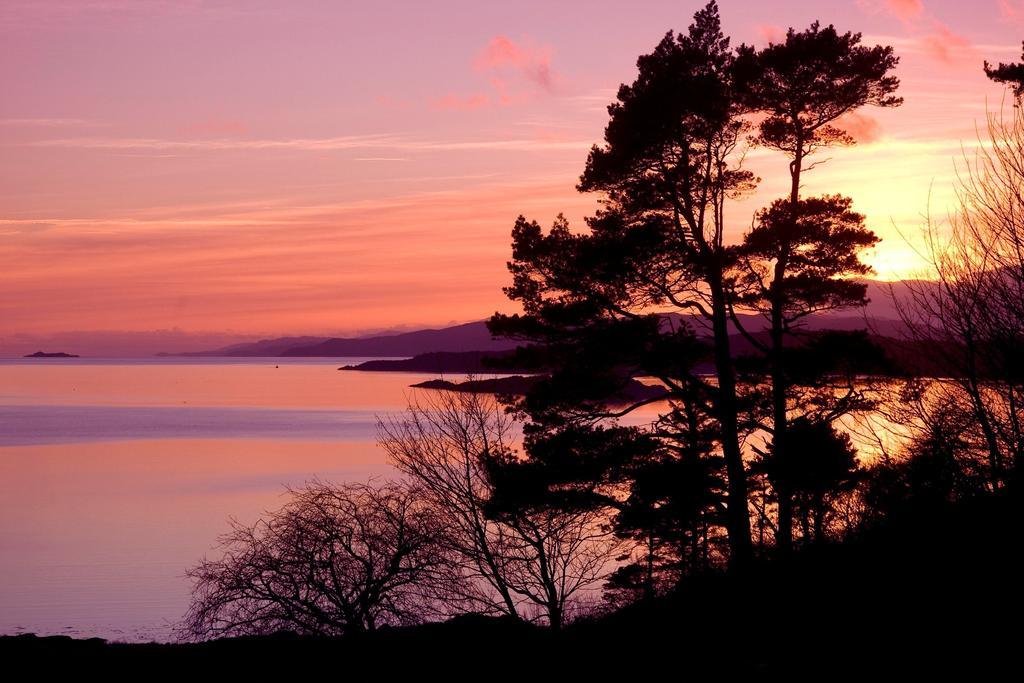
[[116, 476]]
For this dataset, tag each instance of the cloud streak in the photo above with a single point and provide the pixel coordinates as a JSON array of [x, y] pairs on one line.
[[514, 71], [532, 63], [905, 9], [945, 46], [46, 122], [354, 142]]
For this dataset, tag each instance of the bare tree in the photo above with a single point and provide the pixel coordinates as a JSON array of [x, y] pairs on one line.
[[518, 563], [333, 560], [972, 315]]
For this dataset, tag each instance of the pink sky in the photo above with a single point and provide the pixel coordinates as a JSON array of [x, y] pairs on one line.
[[325, 167]]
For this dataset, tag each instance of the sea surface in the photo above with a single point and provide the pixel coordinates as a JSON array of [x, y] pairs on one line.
[[116, 476]]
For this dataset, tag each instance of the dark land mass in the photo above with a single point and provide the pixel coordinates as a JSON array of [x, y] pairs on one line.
[[518, 385], [42, 354], [467, 337], [935, 590], [443, 362], [475, 337], [880, 316], [262, 348], [898, 358]]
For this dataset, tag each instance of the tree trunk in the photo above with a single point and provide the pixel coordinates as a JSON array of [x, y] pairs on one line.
[[819, 519], [555, 616], [780, 419], [737, 517], [784, 532], [780, 383]]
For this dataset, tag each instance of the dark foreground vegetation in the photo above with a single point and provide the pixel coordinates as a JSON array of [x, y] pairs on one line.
[[795, 509], [936, 589]]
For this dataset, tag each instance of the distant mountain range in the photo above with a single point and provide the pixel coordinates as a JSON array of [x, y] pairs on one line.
[[264, 347], [466, 337], [438, 347], [442, 362], [880, 316]]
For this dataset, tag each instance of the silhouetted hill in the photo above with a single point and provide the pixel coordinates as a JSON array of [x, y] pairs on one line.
[[466, 337], [441, 362], [880, 316], [43, 354], [518, 385], [929, 592], [262, 348], [473, 338]]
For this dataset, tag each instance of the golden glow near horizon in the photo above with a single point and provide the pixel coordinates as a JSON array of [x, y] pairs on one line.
[[318, 168]]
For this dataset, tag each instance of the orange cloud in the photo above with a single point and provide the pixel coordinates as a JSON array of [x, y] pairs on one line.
[[453, 102], [508, 66], [905, 9], [418, 258], [771, 33], [944, 45], [533, 64], [862, 127], [216, 125], [1012, 9]]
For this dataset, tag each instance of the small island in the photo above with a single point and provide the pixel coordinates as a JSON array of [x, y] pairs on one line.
[[632, 390], [461, 362], [43, 354], [516, 385]]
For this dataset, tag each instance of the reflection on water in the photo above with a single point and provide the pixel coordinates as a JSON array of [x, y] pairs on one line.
[[117, 476], [21, 425]]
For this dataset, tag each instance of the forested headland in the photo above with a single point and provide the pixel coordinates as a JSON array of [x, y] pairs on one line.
[[783, 499]]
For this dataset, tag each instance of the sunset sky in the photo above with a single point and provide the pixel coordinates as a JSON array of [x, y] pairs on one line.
[[264, 168]]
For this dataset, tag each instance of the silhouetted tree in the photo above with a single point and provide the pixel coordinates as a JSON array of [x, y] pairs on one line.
[[792, 266], [670, 162], [1012, 74], [970, 310], [818, 465], [671, 513], [668, 165], [800, 254], [806, 83], [939, 457], [333, 560], [518, 561]]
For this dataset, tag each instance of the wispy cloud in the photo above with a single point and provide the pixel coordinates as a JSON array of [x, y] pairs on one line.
[[1012, 9], [510, 145], [354, 142], [946, 46], [24, 227], [771, 33], [453, 102], [532, 63], [289, 266], [929, 36], [47, 122], [23, 13], [862, 127], [905, 9], [216, 125], [312, 144], [515, 72]]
